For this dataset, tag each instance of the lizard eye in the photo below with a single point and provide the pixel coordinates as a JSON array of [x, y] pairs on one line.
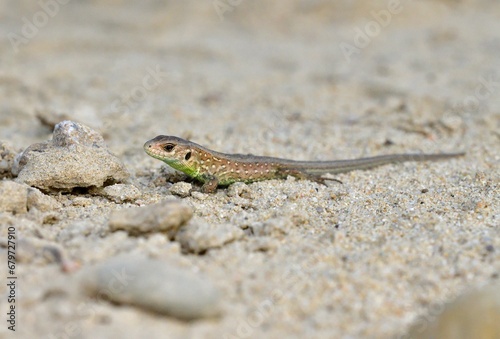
[[169, 147], [187, 156]]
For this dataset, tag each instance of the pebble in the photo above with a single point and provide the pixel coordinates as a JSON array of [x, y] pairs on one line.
[[20, 198], [77, 229], [475, 314], [199, 196], [152, 285], [76, 157], [121, 193], [198, 237], [69, 133], [262, 244], [271, 227], [7, 156], [81, 201], [42, 202], [166, 216], [181, 189], [240, 189], [13, 197]]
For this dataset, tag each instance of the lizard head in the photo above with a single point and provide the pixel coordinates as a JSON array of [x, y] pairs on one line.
[[176, 152]]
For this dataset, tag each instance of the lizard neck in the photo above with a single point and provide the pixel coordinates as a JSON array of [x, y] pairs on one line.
[[186, 169]]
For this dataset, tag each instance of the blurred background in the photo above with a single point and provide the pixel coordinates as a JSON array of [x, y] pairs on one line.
[[301, 79], [219, 68]]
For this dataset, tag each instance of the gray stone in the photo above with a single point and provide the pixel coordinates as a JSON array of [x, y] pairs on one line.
[[7, 156], [181, 189], [69, 133], [121, 193], [81, 201], [166, 216], [40, 201], [153, 285], [77, 229], [272, 227], [262, 244], [13, 197], [76, 157], [22, 158], [476, 314], [199, 237], [240, 189]]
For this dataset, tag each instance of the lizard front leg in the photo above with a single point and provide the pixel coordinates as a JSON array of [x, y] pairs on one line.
[[210, 184]]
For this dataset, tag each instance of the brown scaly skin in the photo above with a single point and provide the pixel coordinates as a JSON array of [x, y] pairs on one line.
[[214, 168]]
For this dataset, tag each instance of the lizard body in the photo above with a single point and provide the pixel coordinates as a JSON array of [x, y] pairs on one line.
[[215, 168]]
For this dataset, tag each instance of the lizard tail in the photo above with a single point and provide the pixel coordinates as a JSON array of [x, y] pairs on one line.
[[342, 166]]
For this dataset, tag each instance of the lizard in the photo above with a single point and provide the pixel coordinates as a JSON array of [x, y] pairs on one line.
[[215, 169]]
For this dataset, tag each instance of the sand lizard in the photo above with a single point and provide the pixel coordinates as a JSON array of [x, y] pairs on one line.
[[214, 168]]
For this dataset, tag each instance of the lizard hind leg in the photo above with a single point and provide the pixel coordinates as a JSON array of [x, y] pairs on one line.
[[308, 176]]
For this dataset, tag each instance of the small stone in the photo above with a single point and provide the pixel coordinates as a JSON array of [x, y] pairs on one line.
[[81, 201], [182, 189], [77, 229], [272, 227], [262, 244], [199, 196], [199, 237], [69, 133], [239, 189], [40, 201], [13, 197], [121, 193], [7, 156], [152, 285], [166, 216], [76, 157], [475, 314], [490, 248], [22, 158]]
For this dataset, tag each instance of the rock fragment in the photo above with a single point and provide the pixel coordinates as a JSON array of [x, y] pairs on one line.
[[76, 157], [199, 237], [153, 285], [13, 197], [181, 189], [120, 193], [240, 189], [69, 133], [40, 201], [166, 216], [7, 156], [271, 227]]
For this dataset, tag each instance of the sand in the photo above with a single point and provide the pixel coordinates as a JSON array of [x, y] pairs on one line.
[[305, 80]]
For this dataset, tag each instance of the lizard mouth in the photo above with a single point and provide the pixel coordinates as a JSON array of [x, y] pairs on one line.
[[158, 153], [153, 151]]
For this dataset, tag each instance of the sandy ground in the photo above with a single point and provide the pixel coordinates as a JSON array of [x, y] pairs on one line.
[[295, 79]]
